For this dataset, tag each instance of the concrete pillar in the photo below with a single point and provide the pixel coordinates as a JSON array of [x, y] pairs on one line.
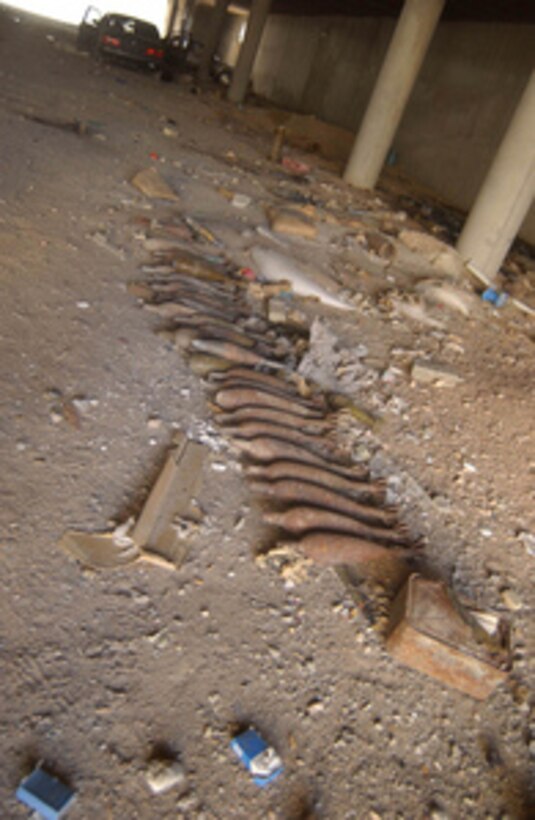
[[172, 12], [242, 72], [211, 41], [405, 55], [506, 194]]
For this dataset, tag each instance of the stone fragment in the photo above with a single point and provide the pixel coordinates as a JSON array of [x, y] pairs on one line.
[[170, 131], [315, 707], [240, 201], [433, 373], [150, 183], [511, 600], [163, 774], [291, 224], [443, 257]]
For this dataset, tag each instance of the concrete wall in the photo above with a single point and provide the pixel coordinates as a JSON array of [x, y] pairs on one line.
[[471, 80]]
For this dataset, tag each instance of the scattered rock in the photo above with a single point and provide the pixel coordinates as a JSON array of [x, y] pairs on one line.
[[170, 131], [446, 295], [187, 804], [511, 600], [163, 774], [240, 201], [432, 373], [154, 423], [528, 539], [291, 224], [150, 183], [443, 257], [315, 707]]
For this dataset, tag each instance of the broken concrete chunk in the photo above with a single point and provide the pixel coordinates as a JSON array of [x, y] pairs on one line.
[[446, 295], [443, 257], [150, 183], [291, 223], [511, 600], [378, 246], [432, 373], [430, 632], [170, 131], [163, 774], [240, 201]]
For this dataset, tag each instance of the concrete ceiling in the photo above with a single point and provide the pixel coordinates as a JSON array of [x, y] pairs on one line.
[[511, 11]]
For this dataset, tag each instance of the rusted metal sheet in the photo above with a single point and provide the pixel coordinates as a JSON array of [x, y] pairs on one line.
[[430, 632]]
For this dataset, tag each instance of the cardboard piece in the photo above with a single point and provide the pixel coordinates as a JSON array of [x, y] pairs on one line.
[[170, 499], [155, 538], [150, 183], [429, 632]]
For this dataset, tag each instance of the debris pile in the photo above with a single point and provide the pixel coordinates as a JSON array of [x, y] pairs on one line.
[[282, 395], [325, 508]]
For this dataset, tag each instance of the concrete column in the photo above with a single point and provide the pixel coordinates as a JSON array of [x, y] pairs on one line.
[[506, 194], [172, 11], [242, 72], [405, 55], [211, 41]]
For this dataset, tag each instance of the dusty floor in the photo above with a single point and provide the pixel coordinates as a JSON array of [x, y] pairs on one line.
[[99, 668]]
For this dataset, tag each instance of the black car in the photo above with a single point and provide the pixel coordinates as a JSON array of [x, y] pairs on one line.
[[120, 37]]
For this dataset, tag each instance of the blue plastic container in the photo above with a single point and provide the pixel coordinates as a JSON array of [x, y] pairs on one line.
[[495, 297], [45, 794], [261, 760]]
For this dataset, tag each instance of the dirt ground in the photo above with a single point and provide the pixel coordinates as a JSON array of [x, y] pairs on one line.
[[100, 668]]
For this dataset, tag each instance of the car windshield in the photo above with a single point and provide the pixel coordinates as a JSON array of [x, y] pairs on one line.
[[130, 25]]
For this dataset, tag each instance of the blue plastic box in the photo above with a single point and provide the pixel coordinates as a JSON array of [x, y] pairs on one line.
[[261, 760], [45, 794], [495, 297]]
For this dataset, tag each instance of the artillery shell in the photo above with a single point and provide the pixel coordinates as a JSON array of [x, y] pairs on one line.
[[214, 331], [202, 364], [234, 398], [331, 549], [292, 490], [253, 429], [233, 352], [264, 448], [301, 519], [210, 308], [181, 338], [169, 310], [282, 388], [357, 485], [178, 281], [248, 374], [290, 420]]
